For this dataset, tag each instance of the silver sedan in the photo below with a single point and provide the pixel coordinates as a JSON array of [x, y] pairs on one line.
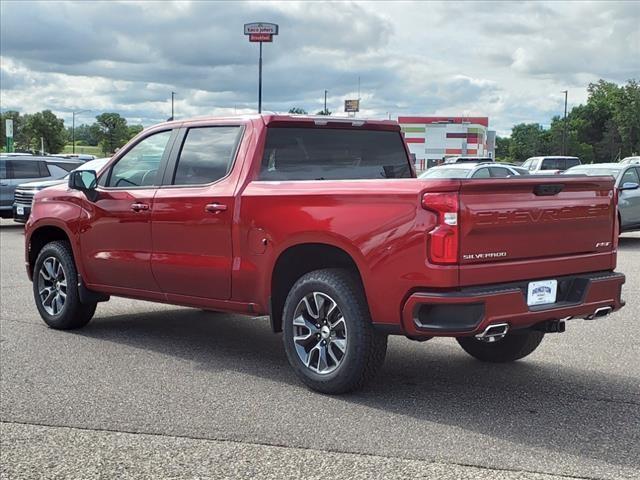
[[627, 177]]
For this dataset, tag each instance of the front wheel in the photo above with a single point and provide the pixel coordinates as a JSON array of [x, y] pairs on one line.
[[55, 288], [511, 347], [328, 336]]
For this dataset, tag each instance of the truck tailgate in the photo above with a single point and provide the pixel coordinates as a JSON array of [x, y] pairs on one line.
[[535, 227]]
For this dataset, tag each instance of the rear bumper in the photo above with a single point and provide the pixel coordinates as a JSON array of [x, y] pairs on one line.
[[470, 310]]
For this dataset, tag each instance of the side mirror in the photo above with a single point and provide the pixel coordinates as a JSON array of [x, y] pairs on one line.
[[86, 181], [630, 186]]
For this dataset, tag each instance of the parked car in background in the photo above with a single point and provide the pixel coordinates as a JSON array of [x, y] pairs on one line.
[[550, 165], [630, 160], [627, 177], [24, 192], [471, 170], [467, 160], [15, 170]]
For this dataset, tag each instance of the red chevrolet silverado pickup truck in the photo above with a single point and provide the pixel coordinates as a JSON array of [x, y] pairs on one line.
[[321, 224]]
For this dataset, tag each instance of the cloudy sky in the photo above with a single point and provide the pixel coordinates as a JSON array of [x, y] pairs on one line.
[[509, 61]]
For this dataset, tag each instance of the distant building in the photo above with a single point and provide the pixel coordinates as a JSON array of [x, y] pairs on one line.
[[431, 139]]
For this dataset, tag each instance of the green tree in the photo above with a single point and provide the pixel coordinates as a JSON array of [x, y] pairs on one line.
[[84, 135], [626, 115], [21, 134], [297, 111], [502, 149], [111, 131], [324, 112], [528, 140], [50, 128], [133, 130]]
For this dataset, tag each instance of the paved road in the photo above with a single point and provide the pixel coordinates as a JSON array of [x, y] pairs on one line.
[[153, 390]]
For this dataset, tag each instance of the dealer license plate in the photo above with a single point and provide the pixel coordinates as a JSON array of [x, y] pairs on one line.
[[542, 292]]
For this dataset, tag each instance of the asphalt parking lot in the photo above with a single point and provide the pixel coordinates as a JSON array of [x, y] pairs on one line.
[[159, 391]]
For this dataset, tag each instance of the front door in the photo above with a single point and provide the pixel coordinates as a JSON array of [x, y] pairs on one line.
[[116, 233], [629, 200], [193, 213]]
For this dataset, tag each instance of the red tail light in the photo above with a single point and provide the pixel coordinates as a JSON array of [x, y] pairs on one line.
[[444, 239]]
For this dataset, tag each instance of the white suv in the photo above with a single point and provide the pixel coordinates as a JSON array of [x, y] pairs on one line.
[[550, 165]]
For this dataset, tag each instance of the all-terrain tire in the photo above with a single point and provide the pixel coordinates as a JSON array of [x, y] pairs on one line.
[[69, 312], [365, 347]]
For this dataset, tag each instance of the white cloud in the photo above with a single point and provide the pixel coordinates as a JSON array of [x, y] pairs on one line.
[[506, 60]]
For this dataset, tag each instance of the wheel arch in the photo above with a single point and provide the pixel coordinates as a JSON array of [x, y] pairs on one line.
[[39, 237], [299, 259]]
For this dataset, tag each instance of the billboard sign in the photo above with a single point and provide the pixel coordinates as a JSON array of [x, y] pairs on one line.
[[260, 28], [261, 37], [352, 105]]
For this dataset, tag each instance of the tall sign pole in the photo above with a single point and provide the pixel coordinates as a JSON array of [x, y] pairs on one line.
[[9, 134], [260, 32], [564, 124], [260, 81]]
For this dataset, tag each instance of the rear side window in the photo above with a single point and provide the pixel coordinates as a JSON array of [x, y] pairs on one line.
[[333, 154], [207, 154], [571, 162], [3, 170], [481, 173], [552, 164], [26, 169]]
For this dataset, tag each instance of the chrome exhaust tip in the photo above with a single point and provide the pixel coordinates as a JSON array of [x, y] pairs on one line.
[[600, 312], [493, 332]]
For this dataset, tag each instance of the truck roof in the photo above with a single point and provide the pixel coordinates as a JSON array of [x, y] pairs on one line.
[[293, 120]]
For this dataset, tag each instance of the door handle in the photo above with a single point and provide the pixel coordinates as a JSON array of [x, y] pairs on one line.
[[215, 207], [138, 207]]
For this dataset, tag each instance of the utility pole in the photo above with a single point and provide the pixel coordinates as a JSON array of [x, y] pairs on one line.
[[564, 124], [325, 102], [73, 128]]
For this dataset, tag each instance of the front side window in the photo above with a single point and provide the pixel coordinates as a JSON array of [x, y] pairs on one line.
[[333, 154], [630, 176], [139, 166], [206, 155], [499, 172]]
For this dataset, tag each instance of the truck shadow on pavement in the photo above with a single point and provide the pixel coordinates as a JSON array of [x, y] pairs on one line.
[[549, 406]]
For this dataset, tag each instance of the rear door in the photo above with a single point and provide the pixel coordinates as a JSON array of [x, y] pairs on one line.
[[193, 213], [525, 227]]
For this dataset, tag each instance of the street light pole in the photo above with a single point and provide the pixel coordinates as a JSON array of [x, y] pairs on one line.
[[325, 102], [564, 124], [73, 128]]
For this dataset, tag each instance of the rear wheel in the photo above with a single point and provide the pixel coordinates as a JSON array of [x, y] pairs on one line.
[[511, 347], [328, 336], [55, 288]]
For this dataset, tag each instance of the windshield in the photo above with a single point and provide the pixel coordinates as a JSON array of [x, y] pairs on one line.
[[439, 172]]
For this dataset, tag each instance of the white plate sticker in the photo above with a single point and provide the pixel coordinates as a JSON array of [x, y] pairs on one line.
[[20, 210], [542, 292]]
